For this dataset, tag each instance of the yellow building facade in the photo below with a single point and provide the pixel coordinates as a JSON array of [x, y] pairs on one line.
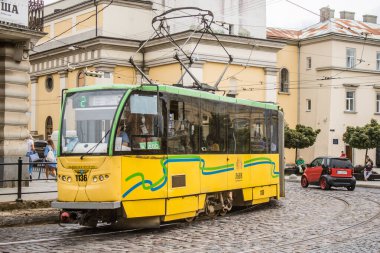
[[78, 42]]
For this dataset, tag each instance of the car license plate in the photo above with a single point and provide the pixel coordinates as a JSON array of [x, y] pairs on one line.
[[342, 172], [81, 178]]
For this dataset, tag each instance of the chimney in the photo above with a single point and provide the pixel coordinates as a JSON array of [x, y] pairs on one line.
[[347, 15], [326, 13], [370, 19]]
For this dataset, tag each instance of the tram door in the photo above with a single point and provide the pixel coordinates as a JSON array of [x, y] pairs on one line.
[[238, 145], [183, 161]]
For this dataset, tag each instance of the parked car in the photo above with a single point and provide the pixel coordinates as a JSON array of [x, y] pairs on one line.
[[327, 171]]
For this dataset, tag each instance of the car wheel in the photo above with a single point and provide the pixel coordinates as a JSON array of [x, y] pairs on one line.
[[351, 187], [323, 183], [304, 182]]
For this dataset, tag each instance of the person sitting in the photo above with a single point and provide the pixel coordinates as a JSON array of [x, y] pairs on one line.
[[300, 164], [368, 168], [124, 136]]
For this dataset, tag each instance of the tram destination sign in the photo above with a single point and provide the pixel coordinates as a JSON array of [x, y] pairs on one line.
[[14, 11], [86, 101]]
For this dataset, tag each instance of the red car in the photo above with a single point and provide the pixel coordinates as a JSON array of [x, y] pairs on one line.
[[328, 171]]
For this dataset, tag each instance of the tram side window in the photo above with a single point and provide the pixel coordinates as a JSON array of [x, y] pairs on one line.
[[213, 127], [241, 129], [183, 126], [258, 131], [274, 133], [238, 132], [140, 127]]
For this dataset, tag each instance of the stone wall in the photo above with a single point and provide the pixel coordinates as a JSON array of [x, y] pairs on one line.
[[14, 80]]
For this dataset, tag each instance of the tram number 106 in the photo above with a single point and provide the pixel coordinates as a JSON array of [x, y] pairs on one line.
[[81, 178]]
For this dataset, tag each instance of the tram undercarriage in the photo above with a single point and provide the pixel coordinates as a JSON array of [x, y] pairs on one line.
[[215, 204]]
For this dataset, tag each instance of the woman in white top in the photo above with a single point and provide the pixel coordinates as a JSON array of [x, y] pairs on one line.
[[30, 143]]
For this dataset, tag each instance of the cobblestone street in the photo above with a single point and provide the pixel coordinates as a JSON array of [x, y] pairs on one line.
[[307, 220]]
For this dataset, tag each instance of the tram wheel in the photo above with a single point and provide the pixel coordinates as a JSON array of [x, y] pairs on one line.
[[190, 219]]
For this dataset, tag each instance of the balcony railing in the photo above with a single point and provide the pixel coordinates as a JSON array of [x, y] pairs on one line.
[[36, 15]]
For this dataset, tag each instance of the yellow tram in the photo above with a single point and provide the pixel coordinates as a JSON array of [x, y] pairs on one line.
[[142, 155]]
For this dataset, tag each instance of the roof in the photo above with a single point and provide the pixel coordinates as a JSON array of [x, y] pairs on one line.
[[335, 25], [177, 90]]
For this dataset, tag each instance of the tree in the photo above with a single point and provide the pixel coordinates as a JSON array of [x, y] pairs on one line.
[[366, 137], [300, 137]]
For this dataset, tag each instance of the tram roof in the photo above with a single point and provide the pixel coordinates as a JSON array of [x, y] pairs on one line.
[[177, 90]]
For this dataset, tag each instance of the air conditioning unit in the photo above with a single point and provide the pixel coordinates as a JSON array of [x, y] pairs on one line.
[[98, 74]]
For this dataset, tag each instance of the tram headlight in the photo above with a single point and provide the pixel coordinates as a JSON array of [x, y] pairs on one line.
[[101, 177], [63, 178], [106, 176], [95, 179], [69, 179]]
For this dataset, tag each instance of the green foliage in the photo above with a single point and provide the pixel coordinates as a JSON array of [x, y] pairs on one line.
[[365, 137], [300, 137]]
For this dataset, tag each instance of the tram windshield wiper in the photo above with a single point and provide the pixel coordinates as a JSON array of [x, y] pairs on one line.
[[97, 144]]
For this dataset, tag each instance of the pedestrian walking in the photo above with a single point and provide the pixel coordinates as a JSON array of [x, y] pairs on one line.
[[368, 168], [50, 154], [29, 153], [343, 155]]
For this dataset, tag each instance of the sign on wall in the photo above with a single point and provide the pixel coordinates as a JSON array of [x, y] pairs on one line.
[[14, 11]]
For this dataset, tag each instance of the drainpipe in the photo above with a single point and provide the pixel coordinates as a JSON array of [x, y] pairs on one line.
[[299, 84], [299, 89]]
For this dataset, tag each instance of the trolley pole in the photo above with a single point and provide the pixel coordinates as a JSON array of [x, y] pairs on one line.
[[19, 163]]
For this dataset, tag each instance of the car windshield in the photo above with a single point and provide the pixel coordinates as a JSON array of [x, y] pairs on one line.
[[341, 163], [87, 120]]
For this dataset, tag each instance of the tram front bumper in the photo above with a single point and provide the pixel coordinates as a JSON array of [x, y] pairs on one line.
[[86, 205]]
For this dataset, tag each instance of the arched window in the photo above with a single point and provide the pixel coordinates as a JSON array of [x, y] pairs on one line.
[[48, 127], [81, 79], [284, 78]]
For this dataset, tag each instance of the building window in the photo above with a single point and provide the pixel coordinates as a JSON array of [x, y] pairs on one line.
[[350, 101], [81, 79], [308, 105], [308, 62], [48, 127], [377, 102], [49, 84], [378, 61], [284, 80], [107, 75], [351, 57]]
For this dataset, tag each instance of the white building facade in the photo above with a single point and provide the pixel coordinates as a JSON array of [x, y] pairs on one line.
[[339, 73]]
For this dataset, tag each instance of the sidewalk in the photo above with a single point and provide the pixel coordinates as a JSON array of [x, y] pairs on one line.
[[34, 186]]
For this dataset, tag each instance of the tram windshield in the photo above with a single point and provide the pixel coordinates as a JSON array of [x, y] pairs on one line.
[[87, 121]]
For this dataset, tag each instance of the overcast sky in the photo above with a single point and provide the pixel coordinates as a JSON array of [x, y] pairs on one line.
[[283, 14]]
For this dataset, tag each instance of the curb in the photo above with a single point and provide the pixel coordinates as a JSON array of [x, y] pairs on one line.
[[49, 216], [27, 213], [357, 185], [26, 204]]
